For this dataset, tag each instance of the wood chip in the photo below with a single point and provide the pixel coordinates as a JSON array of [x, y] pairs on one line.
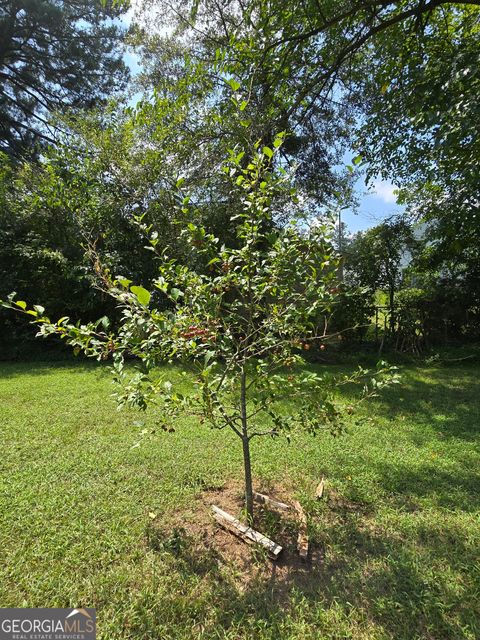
[[302, 540], [320, 489], [275, 504], [247, 534]]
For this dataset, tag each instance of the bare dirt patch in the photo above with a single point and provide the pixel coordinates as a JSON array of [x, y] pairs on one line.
[[207, 547]]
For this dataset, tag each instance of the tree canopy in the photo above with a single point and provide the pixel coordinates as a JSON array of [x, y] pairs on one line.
[[54, 56], [393, 86]]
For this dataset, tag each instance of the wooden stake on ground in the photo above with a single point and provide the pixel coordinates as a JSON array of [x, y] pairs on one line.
[[320, 489], [247, 534], [275, 504], [302, 540]]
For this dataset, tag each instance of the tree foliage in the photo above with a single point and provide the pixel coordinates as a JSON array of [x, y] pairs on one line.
[[421, 128], [403, 74], [242, 325], [374, 258], [217, 74], [54, 55], [237, 43]]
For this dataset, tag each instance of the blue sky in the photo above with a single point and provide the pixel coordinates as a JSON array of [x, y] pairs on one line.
[[131, 59], [375, 205]]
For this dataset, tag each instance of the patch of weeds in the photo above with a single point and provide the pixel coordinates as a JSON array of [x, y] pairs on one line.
[[269, 523], [174, 541], [260, 555], [192, 556], [201, 483]]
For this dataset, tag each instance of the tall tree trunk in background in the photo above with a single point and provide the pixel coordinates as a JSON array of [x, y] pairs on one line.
[[391, 293]]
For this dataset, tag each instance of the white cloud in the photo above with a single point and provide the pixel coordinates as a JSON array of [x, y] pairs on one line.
[[384, 191]]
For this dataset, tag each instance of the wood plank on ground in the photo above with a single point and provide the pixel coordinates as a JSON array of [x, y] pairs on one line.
[[320, 489], [246, 533], [302, 540], [275, 504]]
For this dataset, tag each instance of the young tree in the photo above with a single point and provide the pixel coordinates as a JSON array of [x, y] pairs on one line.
[[242, 321]]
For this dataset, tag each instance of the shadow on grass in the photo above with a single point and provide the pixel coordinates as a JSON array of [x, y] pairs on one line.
[[406, 574], [446, 415], [43, 368], [447, 403], [409, 575], [403, 585], [455, 489]]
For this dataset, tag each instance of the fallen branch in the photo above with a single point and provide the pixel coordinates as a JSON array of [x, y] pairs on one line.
[[453, 360], [275, 504], [302, 540], [247, 534]]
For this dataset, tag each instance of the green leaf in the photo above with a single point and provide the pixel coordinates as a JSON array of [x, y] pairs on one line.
[[267, 152], [175, 293], [104, 321], [21, 304], [142, 295], [39, 309], [208, 356], [357, 160], [234, 84]]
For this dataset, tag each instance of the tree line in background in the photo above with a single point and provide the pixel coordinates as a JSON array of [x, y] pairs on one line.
[[396, 82]]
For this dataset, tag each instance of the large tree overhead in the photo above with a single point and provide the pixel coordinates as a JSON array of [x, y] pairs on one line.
[[232, 40], [421, 100], [304, 66], [54, 55], [422, 129]]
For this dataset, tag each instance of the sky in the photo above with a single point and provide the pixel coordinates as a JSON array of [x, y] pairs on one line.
[[375, 205]]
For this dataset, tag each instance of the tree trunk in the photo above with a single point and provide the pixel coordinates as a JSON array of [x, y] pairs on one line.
[[246, 448], [392, 309], [248, 479]]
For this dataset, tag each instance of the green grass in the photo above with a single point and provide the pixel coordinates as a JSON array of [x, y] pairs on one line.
[[396, 542]]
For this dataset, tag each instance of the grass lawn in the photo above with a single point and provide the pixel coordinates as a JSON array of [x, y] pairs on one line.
[[395, 543]]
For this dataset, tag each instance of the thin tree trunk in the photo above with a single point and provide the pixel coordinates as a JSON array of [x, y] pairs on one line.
[[392, 309], [246, 448]]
